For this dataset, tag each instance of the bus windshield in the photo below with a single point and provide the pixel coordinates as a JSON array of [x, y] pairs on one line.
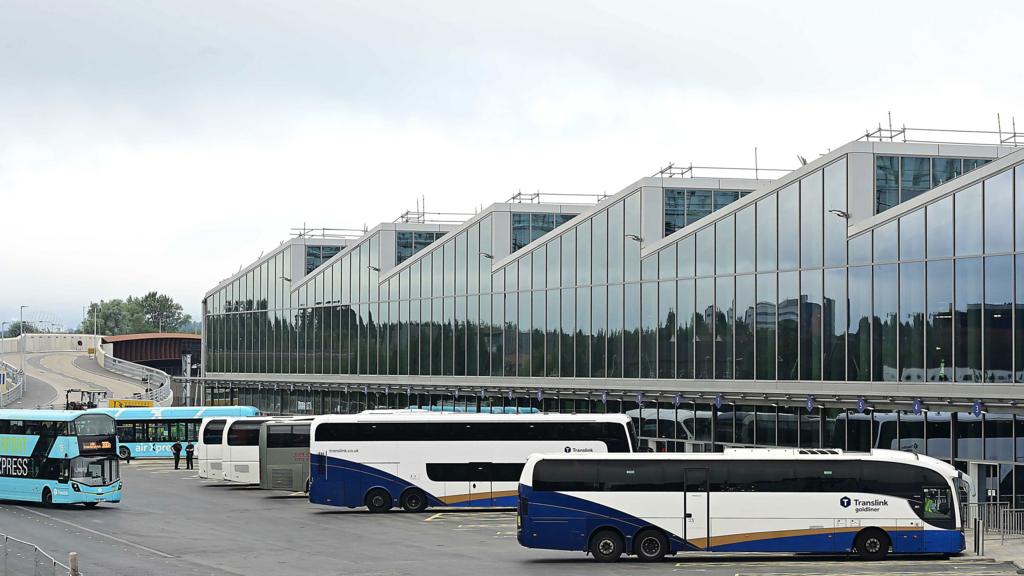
[[94, 425], [98, 471]]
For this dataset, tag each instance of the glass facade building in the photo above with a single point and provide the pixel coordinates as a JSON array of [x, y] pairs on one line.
[[872, 298]]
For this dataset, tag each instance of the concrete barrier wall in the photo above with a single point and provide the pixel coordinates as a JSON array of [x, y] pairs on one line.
[[49, 343]]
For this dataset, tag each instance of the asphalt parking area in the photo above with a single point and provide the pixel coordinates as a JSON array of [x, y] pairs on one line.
[[172, 522]]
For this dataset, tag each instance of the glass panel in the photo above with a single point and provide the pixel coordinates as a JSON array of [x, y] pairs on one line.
[[675, 210], [886, 309], [704, 329], [583, 332], [810, 324], [767, 229], [540, 261], [998, 319], [1018, 323], [615, 240], [915, 177], [583, 254], [616, 325], [567, 351], [887, 242], [860, 249], [745, 307], [745, 238], [684, 343], [648, 331], [706, 251], [1019, 194], [569, 259], [912, 310], [940, 320], [789, 243], [940, 228], [554, 254], [834, 325], [887, 183], [858, 343], [724, 246], [632, 247], [598, 330], [725, 197], [667, 329], [724, 322], [968, 221], [631, 331], [600, 248], [999, 213], [764, 330], [835, 224], [789, 321], [967, 320], [912, 236], [685, 265], [698, 205], [520, 230], [811, 225], [667, 263], [944, 170]]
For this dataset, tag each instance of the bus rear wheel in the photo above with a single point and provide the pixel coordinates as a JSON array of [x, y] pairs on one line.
[[607, 546], [124, 452], [872, 544], [378, 500], [414, 500], [47, 497], [650, 545]]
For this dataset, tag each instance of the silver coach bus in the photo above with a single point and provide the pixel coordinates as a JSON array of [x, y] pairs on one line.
[[284, 454]]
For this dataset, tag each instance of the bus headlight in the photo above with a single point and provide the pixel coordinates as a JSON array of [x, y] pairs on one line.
[[75, 487]]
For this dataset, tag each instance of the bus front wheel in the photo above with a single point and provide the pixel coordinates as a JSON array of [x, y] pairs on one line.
[[414, 500], [650, 545], [47, 497], [124, 452], [607, 546], [378, 500], [872, 544], [90, 504]]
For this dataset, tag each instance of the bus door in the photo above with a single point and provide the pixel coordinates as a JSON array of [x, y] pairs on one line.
[[696, 522], [480, 483]]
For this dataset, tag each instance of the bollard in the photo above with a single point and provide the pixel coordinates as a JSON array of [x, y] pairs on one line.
[[73, 564]]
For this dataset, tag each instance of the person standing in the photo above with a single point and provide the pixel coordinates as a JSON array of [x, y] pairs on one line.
[[190, 451], [176, 450]]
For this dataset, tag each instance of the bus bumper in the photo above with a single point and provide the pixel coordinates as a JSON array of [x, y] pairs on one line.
[[75, 493]]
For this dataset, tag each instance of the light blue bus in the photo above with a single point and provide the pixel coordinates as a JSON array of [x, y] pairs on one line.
[[58, 457], [150, 432]]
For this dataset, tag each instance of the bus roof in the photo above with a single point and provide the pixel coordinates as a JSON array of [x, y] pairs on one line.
[[176, 412], [43, 415], [939, 466], [417, 416]]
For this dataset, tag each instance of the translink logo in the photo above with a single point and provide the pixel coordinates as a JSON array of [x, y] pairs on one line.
[[845, 502]]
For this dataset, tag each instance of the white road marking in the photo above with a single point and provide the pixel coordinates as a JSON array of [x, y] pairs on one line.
[[98, 533]]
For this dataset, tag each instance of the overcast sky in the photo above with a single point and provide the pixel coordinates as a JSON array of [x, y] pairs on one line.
[[160, 145]]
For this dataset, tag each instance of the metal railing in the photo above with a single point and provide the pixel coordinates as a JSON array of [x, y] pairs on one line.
[[1011, 522], [14, 385], [22, 558], [988, 514], [157, 382]]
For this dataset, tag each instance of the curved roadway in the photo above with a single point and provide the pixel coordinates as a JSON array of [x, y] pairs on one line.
[[50, 374]]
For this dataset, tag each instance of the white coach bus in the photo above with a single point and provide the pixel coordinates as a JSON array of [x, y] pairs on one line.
[[742, 500], [209, 448], [416, 460]]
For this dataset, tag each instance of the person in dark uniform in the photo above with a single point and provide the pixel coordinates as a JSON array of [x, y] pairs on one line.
[[190, 451], [176, 450]]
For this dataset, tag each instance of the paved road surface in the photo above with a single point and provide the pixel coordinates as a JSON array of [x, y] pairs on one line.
[[61, 371], [173, 523]]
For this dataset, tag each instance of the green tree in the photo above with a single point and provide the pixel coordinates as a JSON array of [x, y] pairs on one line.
[[15, 329], [153, 312]]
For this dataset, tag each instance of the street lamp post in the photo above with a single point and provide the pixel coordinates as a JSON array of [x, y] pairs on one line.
[[21, 336]]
